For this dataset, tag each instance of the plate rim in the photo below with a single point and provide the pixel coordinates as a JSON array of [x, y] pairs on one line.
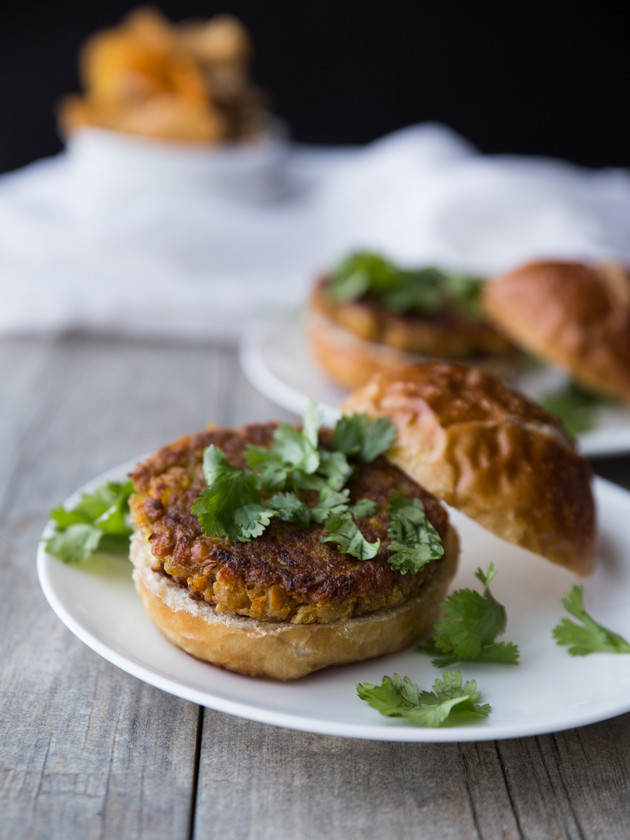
[[390, 732], [286, 396]]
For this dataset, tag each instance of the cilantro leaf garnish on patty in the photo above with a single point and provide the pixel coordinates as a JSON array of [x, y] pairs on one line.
[[240, 504]]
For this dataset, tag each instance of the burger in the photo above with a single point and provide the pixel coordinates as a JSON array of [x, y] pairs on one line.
[[276, 550], [369, 315]]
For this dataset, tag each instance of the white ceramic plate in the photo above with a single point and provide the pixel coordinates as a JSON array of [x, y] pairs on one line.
[[276, 359], [549, 691]]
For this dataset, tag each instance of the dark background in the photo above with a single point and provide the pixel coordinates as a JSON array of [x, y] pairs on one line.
[[509, 77]]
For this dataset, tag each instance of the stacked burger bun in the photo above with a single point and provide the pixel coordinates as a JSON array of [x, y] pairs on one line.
[[287, 603]]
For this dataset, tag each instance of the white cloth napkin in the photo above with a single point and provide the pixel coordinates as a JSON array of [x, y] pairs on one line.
[[135, 239]]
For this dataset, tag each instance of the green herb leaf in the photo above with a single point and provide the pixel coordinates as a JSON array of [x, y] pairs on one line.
[[250, 520], [292, 450], [290, 508], [359, 273], [363, 508], [413, 539], [295, 449], [575, 406], [344, 531], [233, 506], [415, 291], [471, 624], [228, 490], [360, 435], [330, 502], [100, 521], [589, 636], [423, 290], [77, 542], [272, 471], [449, 704], [311, 423], [465, 292], [334, 468]]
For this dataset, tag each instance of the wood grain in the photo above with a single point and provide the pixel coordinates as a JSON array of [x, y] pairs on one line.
[[568, 785], [88, 751]]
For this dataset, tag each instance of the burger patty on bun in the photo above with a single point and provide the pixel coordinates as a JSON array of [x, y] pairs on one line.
[[446, 333], [288, 574]]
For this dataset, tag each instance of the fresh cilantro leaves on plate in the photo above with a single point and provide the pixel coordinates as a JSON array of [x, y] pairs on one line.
[[575, 406], [423, 290], [99, 522], [297, 480], [589, 636], [471, 624], [451, 703]]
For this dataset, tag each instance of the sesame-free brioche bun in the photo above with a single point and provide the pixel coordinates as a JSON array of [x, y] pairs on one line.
[[573, 315], [282, 650], [497, 456], [353, 340]]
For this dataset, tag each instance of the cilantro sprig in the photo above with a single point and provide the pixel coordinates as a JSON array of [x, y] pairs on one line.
[[282, 479], [451, 703], [344, 531], [236, 503], [589, 636], [366, 438], [413, 539], [575, 405], [424, 290], [99, 522], [469, 629]]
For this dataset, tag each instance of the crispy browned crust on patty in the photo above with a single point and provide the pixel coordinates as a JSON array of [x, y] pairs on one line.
[[287, 574]]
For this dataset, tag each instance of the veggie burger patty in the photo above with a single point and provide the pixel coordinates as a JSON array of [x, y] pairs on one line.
[[287, 574], [446, 333]]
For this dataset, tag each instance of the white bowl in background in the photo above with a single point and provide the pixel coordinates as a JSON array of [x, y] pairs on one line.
[[115, 163]]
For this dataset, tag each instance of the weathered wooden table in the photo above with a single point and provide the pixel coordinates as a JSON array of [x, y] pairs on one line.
[[89, 751]]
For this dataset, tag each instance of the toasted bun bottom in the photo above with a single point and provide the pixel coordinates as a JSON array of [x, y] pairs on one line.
[[350, 361], [282, 650]]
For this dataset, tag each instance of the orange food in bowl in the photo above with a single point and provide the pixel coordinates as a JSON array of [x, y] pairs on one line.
[[188, 82]]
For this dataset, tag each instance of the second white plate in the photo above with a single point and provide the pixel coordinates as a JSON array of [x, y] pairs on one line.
[[277, 360]]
